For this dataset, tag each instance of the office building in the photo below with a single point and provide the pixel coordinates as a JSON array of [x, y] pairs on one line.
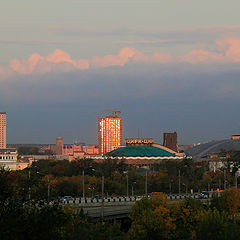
[[109, 133], [2, 129]]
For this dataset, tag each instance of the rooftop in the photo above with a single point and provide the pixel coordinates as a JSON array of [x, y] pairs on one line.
[[140, 151]]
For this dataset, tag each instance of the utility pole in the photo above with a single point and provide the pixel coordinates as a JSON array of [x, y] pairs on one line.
[[179, 182], [102, 207], [236, 177], [83, 184], [224, 179], [127, 184], [29, 187], [48, 189], [146, 186]]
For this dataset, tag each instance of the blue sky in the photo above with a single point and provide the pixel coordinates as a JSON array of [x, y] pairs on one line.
[[167, 65]]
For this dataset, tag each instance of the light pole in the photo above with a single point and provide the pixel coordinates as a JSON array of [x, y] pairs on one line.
[[224, 172], [146, 184], [170, 186], [48, 188], [83, 184], [29, 186], [179, 182], [127, 184], [236, 179], [185, 187], [102, 206]]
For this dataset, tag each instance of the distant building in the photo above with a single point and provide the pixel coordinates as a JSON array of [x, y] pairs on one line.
[[170, 141], [3, 130], [9, 159], [144, 152], [109, 133], [90, 150], [235, 137], [59, 146]]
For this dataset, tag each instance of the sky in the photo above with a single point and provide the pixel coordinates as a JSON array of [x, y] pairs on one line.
[[167, 65]]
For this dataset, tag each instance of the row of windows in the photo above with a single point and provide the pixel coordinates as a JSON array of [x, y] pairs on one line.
[[6, 157]]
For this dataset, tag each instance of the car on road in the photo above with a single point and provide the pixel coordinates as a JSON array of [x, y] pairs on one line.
[[203, 195], [66, 198]]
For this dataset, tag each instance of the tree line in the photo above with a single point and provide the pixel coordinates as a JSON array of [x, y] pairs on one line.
[[151, 218]]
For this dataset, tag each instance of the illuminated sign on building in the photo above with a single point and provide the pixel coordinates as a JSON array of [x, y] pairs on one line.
[[139, 141]]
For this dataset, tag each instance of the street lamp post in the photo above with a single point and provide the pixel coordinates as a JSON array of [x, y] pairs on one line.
[[83, 184], [102, 206], [48, 188], [185, 187], [127, 184], [170, 186], [146, 183], [224, 172], [236, 179], [29, 187], [179, 182]]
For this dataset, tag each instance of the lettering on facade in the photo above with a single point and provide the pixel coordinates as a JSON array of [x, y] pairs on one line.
[[139, 141]]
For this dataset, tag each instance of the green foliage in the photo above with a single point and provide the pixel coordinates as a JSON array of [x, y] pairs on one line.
[[217, 225], [151, 219], [186, 214]]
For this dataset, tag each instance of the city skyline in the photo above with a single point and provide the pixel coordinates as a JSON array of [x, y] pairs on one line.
[[168, 65]]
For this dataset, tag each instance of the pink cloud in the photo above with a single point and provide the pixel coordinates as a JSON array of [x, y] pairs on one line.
[[227, 50], [152, 58], [231, 48], [56, 61], [110, 60], [200, 56]]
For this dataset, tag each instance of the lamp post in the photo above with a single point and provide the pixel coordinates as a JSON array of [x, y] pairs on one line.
[[236, 179], [170, 186], [179, 182], [102, 205], [48, 188], [185, 187], [83, 184], [29, 186], [224, 172], [146, 184], [127, 183]]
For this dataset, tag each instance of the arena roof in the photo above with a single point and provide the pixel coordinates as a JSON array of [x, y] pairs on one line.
[[212, 147], [140, 151]]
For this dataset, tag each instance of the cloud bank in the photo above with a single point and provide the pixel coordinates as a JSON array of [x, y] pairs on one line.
[[226, 51]]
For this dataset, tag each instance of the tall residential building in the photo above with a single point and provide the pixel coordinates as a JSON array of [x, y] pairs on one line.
[[2, 129], [109, 133]]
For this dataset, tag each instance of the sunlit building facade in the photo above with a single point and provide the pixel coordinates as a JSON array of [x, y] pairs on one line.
[[109, 133], [2, 129]]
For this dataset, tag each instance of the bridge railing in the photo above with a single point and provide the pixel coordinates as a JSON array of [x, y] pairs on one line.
[[131, 199]]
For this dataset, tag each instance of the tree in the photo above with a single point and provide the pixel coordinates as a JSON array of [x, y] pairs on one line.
[[185, 214], [216, 225], [151, 219], [228, 202]]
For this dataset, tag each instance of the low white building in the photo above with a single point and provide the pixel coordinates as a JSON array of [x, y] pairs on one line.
[[9, 159]]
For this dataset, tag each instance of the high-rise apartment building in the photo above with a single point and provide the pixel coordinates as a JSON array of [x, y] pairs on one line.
[[109, 133], [3, 130]]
